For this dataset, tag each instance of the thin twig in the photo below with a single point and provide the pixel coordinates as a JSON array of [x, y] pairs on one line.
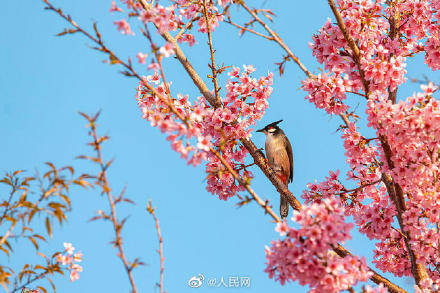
[[159, 57], [211, 49], [354, 48], [247, 186], [360, 187], [187, 25], [107, 190], [276, 39], [30, 281], [150, 209], [289, 52], [5, 237], [250, 30]]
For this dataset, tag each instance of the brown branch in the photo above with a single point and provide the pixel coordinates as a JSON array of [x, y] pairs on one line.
[[289, 52], [395, 193], [394, 190], [159, 57], [211, 49], [30, 281], [247, 186], [192, 72], [187, 65], [352, 44], [360, 187], [150, 209], [5, 237], [117, 226], [187, 25], [276, 38], [249, 30], [376, 278]]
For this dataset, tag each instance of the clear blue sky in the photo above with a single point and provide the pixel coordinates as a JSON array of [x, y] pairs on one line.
[[45, 80]]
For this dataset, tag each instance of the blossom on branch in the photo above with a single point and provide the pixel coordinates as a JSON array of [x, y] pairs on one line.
[[304, 254], [123, 26], [195, 127], [70, 260]]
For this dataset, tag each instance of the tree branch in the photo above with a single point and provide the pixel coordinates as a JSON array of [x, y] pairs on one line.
[[249, 30], [150, 209], [394, 190], [213, 67], [276, 38], [107, 190], [352, 44]]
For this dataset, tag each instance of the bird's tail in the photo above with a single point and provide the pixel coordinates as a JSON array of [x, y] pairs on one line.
[[284, 204]]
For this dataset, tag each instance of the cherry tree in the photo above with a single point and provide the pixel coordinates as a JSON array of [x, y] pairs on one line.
[[393, 197]]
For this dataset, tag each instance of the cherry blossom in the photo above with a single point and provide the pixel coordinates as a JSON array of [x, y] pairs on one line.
[[167, 50], [123, 26], [142, 57], [403, 146], [204, 128], [70, 260], [303, 255], [115, 8]]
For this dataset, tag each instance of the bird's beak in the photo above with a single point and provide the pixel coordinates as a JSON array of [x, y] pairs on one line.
[[260, 130]]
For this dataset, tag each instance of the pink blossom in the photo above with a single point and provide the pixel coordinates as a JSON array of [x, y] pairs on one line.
[[115, 8], [154, 66], [164, 18], [205, 127], [187, 38], [223, 3], [69, 248], [74, 275], [77, 257], [123, 27], [282, 228], [167, 50], [141, 57], [204, 143], [68, 259], [303, 255]]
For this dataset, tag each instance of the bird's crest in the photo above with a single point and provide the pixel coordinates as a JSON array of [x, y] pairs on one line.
[[273, 125]]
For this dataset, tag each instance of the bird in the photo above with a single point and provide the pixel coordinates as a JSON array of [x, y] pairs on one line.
[[279, 157]]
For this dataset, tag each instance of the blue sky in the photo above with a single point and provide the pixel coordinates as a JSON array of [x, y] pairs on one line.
[[46, 80]]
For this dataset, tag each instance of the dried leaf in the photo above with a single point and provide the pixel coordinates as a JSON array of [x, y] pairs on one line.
[[48, 227]]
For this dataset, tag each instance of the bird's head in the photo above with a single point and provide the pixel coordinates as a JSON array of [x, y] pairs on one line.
[[271, 129]]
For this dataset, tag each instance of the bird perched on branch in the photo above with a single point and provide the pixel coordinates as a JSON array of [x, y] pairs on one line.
[[279, 157]]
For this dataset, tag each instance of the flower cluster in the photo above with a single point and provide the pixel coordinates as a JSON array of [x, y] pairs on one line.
[[407, 144], [304, 255], [328, 91], [124, 27], [368, 203], [164, 18], [316, 192], [195, 127], [412, 131], [172, 17], [70, 259]]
